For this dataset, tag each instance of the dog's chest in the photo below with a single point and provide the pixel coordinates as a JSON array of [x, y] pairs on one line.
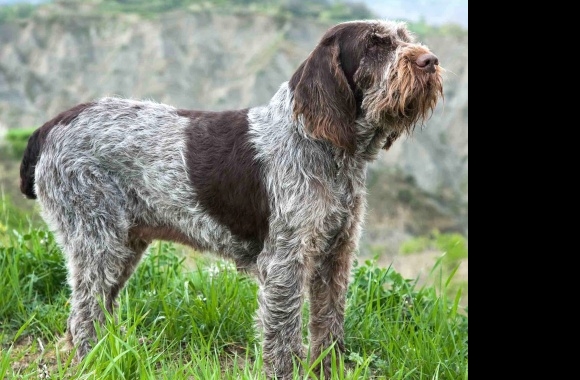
[[349, 185]]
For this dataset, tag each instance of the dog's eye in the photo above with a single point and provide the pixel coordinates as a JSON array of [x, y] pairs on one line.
[[382, 39]]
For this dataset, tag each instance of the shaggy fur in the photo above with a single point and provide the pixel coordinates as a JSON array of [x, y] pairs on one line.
[[278, 189]]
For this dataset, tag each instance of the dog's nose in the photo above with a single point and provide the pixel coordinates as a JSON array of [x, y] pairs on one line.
[[427, 62]]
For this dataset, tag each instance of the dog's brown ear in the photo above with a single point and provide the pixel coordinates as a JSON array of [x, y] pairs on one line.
[[324, 98]]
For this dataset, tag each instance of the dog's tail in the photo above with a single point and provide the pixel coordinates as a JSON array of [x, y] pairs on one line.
[[28, 164]]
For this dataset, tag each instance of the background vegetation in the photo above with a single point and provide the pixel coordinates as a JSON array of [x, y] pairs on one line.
[[322, 10]]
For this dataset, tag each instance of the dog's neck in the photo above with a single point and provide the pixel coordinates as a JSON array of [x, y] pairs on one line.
[[370, 138]]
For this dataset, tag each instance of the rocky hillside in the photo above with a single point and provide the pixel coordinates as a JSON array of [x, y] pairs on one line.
[[209, 60]]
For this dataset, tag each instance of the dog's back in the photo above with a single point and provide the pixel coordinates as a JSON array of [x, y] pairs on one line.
[[130, 142]]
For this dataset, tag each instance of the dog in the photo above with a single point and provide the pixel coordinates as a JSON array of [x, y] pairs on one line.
[[279, 189]]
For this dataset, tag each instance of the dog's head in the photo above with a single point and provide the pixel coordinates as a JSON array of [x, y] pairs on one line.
[[367, 70]]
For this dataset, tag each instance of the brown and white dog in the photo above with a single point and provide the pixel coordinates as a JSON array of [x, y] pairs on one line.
[[279, 189]]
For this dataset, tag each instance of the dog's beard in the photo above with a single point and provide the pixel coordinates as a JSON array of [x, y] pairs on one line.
[[405, 97]]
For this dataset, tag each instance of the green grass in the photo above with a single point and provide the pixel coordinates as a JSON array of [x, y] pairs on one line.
[[193, 319]]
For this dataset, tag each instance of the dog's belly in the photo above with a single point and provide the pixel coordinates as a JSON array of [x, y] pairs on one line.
[[158, 214]]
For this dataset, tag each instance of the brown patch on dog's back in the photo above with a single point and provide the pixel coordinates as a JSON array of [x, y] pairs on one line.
[[223, 169], [35, 143]]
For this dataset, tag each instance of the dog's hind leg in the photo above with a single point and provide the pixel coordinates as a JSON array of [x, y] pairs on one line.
[[87, 212], [96, 280], [138, 246]]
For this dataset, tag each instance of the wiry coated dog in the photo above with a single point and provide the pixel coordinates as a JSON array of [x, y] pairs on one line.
[[278, 189]]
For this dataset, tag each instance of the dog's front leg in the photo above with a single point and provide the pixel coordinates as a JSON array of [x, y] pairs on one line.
[[327, 292], [328, 285], [282, 278]]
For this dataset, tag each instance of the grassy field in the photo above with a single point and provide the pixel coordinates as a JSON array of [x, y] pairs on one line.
[[184, 315]]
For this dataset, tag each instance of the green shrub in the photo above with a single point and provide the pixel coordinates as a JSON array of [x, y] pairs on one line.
[[454, 245], [12, 217], [416, 245], [16, 11], [16, 140]]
